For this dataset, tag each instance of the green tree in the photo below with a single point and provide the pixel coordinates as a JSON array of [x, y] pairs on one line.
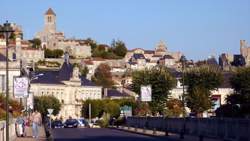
[[200, 82], [92, 44], [96, 108], [161, 82], [119, 48], [174, 108], [84, 71], [102, 76], [36, 43], [42, 103], [238, 104], [57, 53]]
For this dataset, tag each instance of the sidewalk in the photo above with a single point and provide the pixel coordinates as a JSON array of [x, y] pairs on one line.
[[28, 137]]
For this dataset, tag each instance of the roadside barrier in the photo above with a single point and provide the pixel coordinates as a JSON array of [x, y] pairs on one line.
[[12, 130], [226, 129]]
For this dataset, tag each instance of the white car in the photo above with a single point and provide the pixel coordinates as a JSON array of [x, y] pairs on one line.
[[82, 123]]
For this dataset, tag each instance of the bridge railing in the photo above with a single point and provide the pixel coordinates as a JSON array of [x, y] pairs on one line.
[[227, 129], [12, 130]]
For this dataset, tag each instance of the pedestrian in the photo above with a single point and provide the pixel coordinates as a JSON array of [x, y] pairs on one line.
[[20, 124], [36, 122]]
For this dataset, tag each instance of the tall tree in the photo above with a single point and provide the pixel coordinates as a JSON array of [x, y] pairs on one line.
[[42, 103], [238, 104], [102, 76], [201, 81], [119, 48], [36, 43], [92, 44], [161, 82]]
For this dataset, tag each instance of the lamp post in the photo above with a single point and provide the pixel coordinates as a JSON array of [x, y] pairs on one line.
[[7, 30], [31, 78], [183, 60]]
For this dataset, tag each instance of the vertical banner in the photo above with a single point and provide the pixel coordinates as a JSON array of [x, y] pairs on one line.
[[21, 85], [146, 93]]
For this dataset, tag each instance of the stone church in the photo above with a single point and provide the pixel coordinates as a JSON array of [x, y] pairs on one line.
[[52, 39]]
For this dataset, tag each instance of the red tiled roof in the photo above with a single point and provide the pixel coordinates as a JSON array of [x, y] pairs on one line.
[[88, 62]]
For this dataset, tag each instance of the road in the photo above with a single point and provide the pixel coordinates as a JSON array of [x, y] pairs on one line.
[[100, 134]]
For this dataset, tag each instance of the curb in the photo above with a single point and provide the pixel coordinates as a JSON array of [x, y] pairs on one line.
[[141, 133]]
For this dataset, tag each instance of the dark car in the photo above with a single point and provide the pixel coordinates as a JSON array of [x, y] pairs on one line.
[[57, 124], [71, 123]]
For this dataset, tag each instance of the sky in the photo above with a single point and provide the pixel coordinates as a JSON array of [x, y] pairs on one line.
[[197, 28]]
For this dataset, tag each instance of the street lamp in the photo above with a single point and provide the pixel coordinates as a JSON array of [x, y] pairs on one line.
[[183, 61], [34, 77], [7, 30]]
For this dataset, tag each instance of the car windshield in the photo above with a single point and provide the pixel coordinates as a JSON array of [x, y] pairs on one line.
[[71, 120], [57, 122]]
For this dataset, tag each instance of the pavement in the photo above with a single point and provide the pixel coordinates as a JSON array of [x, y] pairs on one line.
[[28, 137]]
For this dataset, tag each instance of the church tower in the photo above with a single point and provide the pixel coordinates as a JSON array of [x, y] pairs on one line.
[[50, 21]]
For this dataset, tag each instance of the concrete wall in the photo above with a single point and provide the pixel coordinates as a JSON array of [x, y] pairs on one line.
[[12, 131], [226, 129]]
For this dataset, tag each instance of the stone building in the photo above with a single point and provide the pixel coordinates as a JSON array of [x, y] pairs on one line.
[[245, 51], [151, 58], [67, 86], [52, 39]]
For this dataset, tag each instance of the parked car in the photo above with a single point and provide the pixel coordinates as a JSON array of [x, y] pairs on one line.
[[57, 124], [71, 123], [82, 123]]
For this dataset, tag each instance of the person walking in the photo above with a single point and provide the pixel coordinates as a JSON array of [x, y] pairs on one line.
[[36, 122], [20, 123]]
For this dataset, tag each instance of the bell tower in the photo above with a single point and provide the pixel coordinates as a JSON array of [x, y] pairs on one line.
[[50, 21]]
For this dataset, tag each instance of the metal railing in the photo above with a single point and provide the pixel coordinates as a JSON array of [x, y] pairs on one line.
[[12, 130], [226, 128]]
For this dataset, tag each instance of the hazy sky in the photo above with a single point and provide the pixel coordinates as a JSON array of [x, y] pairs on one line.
[[198, 28]]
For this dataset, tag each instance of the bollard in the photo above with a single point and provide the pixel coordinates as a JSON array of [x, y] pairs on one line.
[[135, 129], [201, 138], [182, 135], [144, 130], [166, 133], [154, 131]]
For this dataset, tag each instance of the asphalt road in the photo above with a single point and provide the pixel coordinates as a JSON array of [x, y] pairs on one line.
[[100, 134]]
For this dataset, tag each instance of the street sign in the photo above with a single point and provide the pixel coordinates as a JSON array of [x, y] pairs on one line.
[[50, 111], [21, 86], [126, 111], [146, 93]]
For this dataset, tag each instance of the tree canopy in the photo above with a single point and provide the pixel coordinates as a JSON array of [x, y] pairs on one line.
[[119, 48], [200, 82], [42, 103], [161, 83], [238, 104], [102, 76], [57, 53], [36, 43], [99, 107]]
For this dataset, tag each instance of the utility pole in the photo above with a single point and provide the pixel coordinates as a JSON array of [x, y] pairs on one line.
[[183, 60], [89, 112], [7, 30]]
